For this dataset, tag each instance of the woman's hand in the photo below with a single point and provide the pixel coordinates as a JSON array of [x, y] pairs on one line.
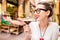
[[27, 32], [15, 22]]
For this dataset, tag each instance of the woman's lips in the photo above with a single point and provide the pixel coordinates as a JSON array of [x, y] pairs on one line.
[[36, 16]]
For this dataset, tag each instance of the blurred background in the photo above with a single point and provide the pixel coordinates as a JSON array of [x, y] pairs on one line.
[[23, 9]]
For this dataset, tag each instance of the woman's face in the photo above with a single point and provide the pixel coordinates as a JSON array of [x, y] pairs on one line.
[[40, 13]]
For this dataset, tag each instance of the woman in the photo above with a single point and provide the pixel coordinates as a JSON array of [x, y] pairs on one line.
[[42, 29]]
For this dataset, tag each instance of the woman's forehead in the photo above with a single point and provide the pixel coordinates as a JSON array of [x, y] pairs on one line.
[[40, 6]]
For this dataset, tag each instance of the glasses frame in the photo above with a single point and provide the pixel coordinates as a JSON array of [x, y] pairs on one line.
[[39, 10]]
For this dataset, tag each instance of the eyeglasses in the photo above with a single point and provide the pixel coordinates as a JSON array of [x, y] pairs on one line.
[[39, 10]]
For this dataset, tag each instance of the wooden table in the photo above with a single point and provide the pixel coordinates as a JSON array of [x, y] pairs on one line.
[[17, 29]]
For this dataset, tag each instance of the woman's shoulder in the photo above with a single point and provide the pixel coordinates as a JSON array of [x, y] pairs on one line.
[[54, 25]]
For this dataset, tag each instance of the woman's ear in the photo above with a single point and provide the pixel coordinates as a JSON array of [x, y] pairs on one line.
[[48, 13]]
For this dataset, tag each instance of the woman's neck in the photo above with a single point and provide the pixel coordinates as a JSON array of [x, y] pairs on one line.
[[43, 24]]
